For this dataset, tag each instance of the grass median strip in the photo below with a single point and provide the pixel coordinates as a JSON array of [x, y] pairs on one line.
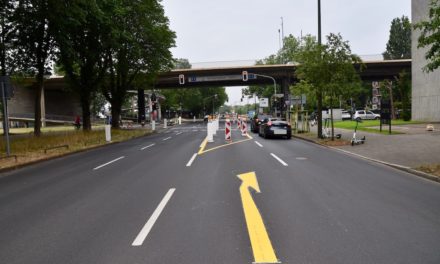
[[29, 148]]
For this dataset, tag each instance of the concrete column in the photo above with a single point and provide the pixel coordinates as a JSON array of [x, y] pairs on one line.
[[141, 105], [159, 110]]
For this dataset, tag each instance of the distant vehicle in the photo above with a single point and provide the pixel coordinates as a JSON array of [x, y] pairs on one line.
[[275, 127], [256, 121], [365, 115], [346, 115]]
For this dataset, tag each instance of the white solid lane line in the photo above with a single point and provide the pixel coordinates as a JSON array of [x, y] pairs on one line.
[[191, 160], [139, 240], [258, 143], [105, 164], [280, 160], [165, 139], [149, 146]]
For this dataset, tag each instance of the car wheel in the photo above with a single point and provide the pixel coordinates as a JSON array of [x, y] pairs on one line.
[[376, 118], [358, 119]]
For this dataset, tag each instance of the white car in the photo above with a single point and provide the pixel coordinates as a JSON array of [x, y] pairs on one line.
[[364, 115], [345, 115]]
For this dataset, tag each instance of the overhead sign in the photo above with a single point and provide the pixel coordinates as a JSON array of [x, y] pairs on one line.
[[264, 102], [216, 78]]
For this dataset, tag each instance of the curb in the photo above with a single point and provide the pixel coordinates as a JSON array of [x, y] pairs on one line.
[[395, 166]]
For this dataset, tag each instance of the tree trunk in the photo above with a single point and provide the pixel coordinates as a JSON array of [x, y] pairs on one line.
[[37, 116], [319, 114], [116, 113], [85, 106]]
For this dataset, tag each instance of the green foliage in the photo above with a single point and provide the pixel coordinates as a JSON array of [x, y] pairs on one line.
[[137, 47], [399, 42], [327, 68], [181, 64], [195, 100], [430, 36], [404, 90]]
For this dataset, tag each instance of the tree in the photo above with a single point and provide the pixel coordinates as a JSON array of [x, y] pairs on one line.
[[82, 36], [328, 68], [182, 64], [7, 37], [35, 20], [139, 47], [430, 36], [399, 43]]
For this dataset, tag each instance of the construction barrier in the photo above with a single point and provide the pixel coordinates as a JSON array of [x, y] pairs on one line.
[[239, 123], [243, 128], [228, 130]]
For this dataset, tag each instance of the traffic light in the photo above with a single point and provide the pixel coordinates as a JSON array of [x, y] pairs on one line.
[[244, 75], [181, 79]]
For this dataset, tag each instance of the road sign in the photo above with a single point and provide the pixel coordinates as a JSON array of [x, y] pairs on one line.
[[264, 102]]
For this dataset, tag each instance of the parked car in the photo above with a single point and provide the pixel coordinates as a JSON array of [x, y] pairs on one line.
[[275, 127], [345, 115], [364, 115], [256, 121]]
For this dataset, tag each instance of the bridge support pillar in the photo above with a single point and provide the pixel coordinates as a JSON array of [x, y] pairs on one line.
[[141, 105]]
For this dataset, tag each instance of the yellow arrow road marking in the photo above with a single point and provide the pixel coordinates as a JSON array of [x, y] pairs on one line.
[[260, 242]]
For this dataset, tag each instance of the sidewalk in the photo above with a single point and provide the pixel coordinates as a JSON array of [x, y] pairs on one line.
[[415, 148]]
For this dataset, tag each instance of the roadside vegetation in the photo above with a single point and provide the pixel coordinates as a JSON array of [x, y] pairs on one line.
[[29, 148], [372, 125]]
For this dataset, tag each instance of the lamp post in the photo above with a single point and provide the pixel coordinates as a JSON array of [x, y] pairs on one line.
[[274, 87], [319, 92], [215, 95]]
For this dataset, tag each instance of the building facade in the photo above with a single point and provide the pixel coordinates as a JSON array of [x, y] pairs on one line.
[[425, 86]]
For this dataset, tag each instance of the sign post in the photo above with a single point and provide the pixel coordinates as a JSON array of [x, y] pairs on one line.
[[6, 85]]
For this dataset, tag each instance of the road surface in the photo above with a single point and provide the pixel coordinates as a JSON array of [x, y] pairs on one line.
[[169, 198]]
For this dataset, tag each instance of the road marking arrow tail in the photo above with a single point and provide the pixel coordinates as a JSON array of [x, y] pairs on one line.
[[260, 242]]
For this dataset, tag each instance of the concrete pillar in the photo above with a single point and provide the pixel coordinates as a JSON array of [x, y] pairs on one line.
[[141, 105], [159, 111]]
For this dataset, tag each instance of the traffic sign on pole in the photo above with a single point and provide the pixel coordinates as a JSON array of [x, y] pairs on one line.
[[181, 79]]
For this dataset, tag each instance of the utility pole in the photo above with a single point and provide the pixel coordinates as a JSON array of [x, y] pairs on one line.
[[319, 91]]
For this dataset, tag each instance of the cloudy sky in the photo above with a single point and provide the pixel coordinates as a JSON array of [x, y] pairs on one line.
[[231, 30]]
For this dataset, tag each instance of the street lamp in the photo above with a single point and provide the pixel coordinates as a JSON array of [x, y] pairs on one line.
[[274, 86], [215, 96]]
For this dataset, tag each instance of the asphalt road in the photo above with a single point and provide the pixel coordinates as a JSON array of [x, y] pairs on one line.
[[152, 200]]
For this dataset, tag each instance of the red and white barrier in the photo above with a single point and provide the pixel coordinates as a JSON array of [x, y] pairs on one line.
[[239, 123], [244, 128], [228, 130]]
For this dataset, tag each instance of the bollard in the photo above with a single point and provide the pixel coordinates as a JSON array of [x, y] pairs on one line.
[[108, 133], [214, 127], [194, 119], [165, 123], [243, 128], [180, 120], [228, 130], [153, 125], [210, 134]]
